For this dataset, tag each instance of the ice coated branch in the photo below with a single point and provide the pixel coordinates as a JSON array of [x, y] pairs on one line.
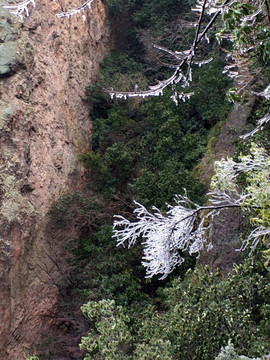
[[246, 18], [167, 236], [156, 90], [182, 70], [265, 119], [78, 10], [260, 125], [163, 236], [185, 226], [21, 8], [249, 41]]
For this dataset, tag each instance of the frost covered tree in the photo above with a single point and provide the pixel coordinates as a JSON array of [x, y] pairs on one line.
[[184, 228]]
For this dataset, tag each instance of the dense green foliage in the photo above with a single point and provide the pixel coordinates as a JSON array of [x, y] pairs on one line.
[[234, 308], [148, 13], [151, 148], [203, 303], [147, 150]]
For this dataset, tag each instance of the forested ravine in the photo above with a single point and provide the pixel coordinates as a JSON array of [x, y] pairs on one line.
[[73, 157]]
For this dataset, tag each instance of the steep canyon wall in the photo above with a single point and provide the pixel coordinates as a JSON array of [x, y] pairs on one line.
[[45, 65]]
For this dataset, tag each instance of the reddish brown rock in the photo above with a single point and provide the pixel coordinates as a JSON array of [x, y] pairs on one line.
[[44, 125]]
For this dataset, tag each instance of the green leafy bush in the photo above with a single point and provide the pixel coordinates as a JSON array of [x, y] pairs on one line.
[[198, 315], [205, 310], [109, 338]]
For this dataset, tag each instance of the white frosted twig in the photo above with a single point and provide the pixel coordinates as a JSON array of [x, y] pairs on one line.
[[261, 122], [254, 196], [203, 62], [254, 237], [185, 226], [77, 10], [166, 236], [179, 55], [156, 90], [20, 9], [218, 198], [180, 75], [265, 93], [163, 235]]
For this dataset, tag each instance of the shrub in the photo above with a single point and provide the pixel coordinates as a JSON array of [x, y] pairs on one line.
[[109, 338], [205, 310]]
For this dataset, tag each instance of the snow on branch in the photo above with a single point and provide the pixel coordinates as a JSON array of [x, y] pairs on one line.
[[255, 237], [20, 9], [261, 123], [156, 90], [254, 196], [265, 93], [265, 119]]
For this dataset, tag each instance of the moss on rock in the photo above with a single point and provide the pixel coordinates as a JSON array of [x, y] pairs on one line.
[[14, 204]]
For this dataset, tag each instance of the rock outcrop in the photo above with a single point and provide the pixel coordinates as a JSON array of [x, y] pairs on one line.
[[229, 226], [45, 65]]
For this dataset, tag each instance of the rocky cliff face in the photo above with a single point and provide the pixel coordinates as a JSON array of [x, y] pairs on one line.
[[45, 64], [229, 226]]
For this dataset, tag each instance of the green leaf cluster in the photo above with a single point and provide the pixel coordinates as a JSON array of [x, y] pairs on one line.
[[242, 34], [109, 338]]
